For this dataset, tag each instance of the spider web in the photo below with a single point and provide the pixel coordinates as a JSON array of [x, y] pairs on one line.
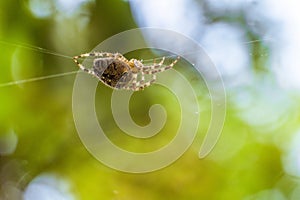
[[148, 61]]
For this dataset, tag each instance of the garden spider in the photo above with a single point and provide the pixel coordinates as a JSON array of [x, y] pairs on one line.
[[115, 71]]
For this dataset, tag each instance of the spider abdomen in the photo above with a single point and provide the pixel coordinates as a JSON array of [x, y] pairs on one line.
[[112, 72]]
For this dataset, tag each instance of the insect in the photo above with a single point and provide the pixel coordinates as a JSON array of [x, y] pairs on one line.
[[116, 72]]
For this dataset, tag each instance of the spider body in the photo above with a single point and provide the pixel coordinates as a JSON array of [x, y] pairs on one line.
[[115, 71]]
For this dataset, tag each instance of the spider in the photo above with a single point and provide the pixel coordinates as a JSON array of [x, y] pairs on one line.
[[116, 72]]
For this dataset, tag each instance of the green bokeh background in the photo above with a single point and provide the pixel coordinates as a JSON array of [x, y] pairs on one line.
[[245, 161]]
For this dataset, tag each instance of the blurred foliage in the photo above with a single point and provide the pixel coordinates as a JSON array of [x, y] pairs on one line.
[[39, 113]]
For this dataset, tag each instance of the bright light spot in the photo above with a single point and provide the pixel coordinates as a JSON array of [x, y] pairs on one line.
[[263, 106], [224, 45], [286, 67], [47, 187], [46, 8], [280, 22], [41, 8], [69, 7], [8, 143], [184, 16], [291, 160]]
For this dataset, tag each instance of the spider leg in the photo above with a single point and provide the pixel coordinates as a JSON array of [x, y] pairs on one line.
[[83, 68], [148, 83], [140, 85], [118, 56], [142, 78], [99, 54], [96, 54], [137, 85], [154, 66], [134, 82], [157, 70]]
